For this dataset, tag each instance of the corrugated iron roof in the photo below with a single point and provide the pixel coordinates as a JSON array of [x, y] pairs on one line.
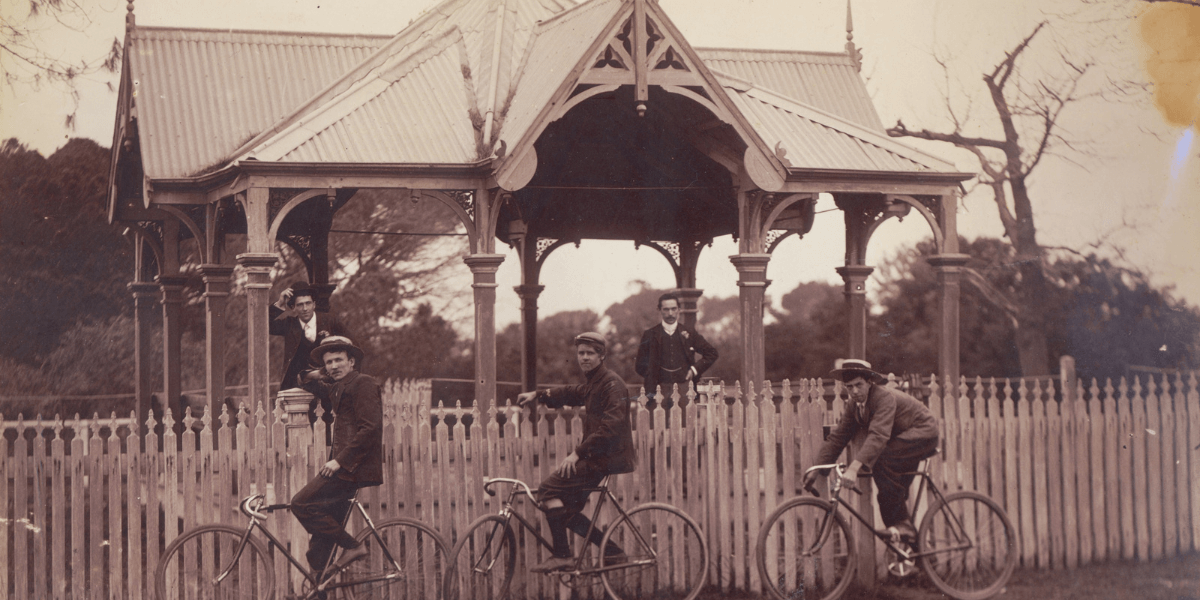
[[813, 139], [474, 23], [200, 94], [420, 117], [558, 45], [825, 80]]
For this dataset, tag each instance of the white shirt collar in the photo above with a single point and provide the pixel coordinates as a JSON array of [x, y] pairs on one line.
[[310, 328], [670, 329]]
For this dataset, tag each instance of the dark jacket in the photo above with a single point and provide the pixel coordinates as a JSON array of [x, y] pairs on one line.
[[649, 356], [889, 414], [357, 426], [296, 347], [607, 442]]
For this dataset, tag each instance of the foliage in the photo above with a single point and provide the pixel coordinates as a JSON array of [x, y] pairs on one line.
[[62, 261], [426, 346], [808, 334], [33, 60], [556, 354], [1107, 316]]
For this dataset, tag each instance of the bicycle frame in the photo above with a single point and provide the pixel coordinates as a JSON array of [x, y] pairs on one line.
[[835, 484], [251, 507], [507, 512]]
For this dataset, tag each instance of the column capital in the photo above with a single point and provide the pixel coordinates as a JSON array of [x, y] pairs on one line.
[[483, 263], [258, 260], [750, 262], [855, 272], [529, 292], [143, 289], [948, 261], [212, 272]]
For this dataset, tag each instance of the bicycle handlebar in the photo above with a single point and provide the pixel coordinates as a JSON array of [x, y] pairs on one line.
[[487, 486], [835, 483], [251, 505]]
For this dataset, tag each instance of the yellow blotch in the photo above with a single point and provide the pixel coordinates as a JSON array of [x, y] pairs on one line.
[[1172, 33]]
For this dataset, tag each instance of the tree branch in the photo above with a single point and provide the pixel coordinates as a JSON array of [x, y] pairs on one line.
[[962, 141]]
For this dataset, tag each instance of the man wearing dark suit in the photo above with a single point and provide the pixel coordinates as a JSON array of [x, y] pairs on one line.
[[605, 448], [356, 455], [302, 329], [667, 353]]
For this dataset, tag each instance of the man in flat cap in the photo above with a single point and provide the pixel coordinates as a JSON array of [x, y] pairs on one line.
[[356, 455], [895, 430], [606, 448]]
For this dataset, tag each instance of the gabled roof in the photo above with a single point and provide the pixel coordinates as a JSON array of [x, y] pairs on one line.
[[406, 112], [827, 81], [556, 48], [199, 94], [415, 73], [810, 138]]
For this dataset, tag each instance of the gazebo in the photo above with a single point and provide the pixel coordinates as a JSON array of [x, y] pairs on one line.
[[538, 122]]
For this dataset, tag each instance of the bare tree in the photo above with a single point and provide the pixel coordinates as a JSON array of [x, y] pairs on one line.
[[28, 59], [1028, 111]]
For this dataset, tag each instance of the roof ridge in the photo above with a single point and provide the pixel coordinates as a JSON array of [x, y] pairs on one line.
[[270, 32], [778, 52]]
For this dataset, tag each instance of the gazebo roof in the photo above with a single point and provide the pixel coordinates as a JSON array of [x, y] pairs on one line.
[[206, 99]]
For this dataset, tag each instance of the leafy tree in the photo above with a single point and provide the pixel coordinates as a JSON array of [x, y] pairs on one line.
[[808, 333], [63, 262], [1107, 316], [556, 354], [426, 346]]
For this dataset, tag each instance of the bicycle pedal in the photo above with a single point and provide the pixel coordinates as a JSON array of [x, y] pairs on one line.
[[902, 563]]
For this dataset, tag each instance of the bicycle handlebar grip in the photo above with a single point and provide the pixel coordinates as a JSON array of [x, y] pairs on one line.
[[812, 489]]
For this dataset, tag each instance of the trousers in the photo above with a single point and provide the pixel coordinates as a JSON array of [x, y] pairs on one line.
[[889, 472], [321, 506]]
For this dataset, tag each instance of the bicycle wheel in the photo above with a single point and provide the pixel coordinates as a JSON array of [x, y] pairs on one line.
[[481, 563], [805, 551], [664, 557], [191, 564], [407, 559], [968, 546]]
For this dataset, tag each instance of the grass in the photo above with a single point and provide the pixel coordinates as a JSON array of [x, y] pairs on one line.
[[1171, 579]]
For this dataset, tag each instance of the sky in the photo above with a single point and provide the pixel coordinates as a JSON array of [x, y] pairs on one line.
[[1132, 188]]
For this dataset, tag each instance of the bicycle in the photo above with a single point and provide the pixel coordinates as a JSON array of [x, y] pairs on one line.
[[405, 560], [965, 544], [662, 551]]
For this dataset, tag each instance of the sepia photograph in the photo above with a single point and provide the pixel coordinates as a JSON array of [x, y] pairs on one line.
[[587, 299]]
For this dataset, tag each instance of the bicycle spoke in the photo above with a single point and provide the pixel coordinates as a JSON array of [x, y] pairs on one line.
[[968, 546], [805, 551], [406, 560], [482, 562], [193, 562], [664, 555]]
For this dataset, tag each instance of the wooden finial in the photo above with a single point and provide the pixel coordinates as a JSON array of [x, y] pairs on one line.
[[129, 18], [855, 55]]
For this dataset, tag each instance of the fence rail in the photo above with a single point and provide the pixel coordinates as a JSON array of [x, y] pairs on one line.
[[1098, 472]]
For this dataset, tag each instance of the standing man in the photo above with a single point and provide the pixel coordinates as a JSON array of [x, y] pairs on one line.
[[356, 456], [302, 330], [606, 448], [667, 353], [895, 430]]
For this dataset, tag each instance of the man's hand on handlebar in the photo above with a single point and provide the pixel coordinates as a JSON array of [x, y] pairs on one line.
[[850, 475], [524, 399]]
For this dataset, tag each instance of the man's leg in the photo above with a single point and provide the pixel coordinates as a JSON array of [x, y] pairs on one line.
[[899, 457], [562, 498], [321, 507]]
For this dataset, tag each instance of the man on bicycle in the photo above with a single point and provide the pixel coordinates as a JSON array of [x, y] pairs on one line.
[[356, 457], [893, 432], [606, 448]]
